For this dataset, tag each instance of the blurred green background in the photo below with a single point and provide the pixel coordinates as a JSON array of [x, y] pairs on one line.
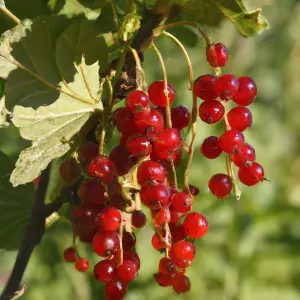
[[252, 249]]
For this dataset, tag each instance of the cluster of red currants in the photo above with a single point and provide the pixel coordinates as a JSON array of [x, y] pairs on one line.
[[216, 91]]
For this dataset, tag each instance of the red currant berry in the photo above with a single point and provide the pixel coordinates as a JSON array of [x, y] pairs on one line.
[[166, 266], [131, 255], [123, 140], [104, 271], [89, 151], [182, 253], [211, 112], [109, 219], [125, 121], [180, 117], [220, 185], [195, 225], [157, 94], [169, 140], [178, 233], [82, 264], [70, 255], [139, 146], [150, 171], [157, 243], [138, 219], [231, 140], [252, 174], [106, 243], [70, 171], [155, 196], [115, 290], [226, 86], [127, 271], [93, 192], [217, 55], [174, 216], [128, 240], [247, 91], [181, 202], [239, 118], [194, 190], [210, 147], [163, 280], [243, 156], [204, 87], [137, 100], [102, 167], [164, 157], [162, 217], [181, 284], [84, 233]]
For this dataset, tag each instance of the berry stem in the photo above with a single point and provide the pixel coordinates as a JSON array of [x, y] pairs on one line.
[[201, 31], [168, 235], [121, 244], [51, 219], [10, 14], [101, 143]]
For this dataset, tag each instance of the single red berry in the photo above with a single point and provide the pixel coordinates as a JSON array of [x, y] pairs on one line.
[[138, 219], [181, 284], [106, 243], [128, 240], [139, 146], [244, 155], [226, 86], [125, 121], [182, 253], [239, 118], [167, 141], [70, 254], [166, 266], [82, 264], [194, 190], [247, 91], [89, 151], [180, 117], [123, 140], [85, 234], [102, 167], [137, 100], [158, 243], [220, 185], [181, 202], [204, 87], [162, 216], [164, 157], [163, 280], [115, 290], [157, 94], [174, 216], [252, 174], [109, 219], [150, 171], [217, 55], [127, 271], [104, 271], [211, 112], [92, 191], [231, 140], [195, 225], [210, 147], [131, 255], [178, 233], [155, 196], [70, 171]]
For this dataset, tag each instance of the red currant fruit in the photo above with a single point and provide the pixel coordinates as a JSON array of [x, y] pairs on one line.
[[166, 266], [150, 171], [182, 253], [195, 225], [169, 140], [252, 174], [89, 151], [180, 117], [70, 171], [139, 146], [104, 271], [217, 55], [231, 140], [155, 196], [163, 280], [125, 121], [226, 86], [109, 219], [178, 233], [243, 156], [181, 202], [157, 242], [211, 112], [128, 240], [157, 94], [106, 243], [247, 91], [137, 100], [115, 290], [194, 190], [220, 185], [131, 255], [138, 219], [93, 192], [181, 284], [162, 217], [82, 264], [204, 87], [210, 147], [239, 118], [102, 167], [70, 255], [127, 271]]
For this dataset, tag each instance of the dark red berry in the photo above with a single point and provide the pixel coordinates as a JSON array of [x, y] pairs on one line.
[[210, 147], [180, 116], [239, 118], [247, 91], [127, 271], [125, 121], [178, 233], [220, 185], [155, 196], [70, 254], [102, 167], [139, 146], [211, 112], [194, 190], [104, 271], [217, 55], [109, 219], [243, 156], [70, 171], [137, 100], [163, 280], [138, 219], [157, 94], [92, 191], [252, 174], [128, 240], [181, 202], [204, 87], [231, 140], [82, 264], [181, 284], [226, 86], [166, 266], [150, 171], [182, 253], [115, 290], [89, 151], [195, 225], [131, 255], [106, 243]]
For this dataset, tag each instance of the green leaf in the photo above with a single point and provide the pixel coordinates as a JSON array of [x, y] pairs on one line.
[[105, 22], [129, 26], [94, 4], [15, 206], [150, 3]]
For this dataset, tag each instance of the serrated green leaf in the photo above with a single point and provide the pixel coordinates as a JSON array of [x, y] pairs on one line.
[[129, 26], [15, 206]]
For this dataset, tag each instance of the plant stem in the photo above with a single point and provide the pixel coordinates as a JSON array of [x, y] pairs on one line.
[[202, 32], [114, 10], [10, 14]]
